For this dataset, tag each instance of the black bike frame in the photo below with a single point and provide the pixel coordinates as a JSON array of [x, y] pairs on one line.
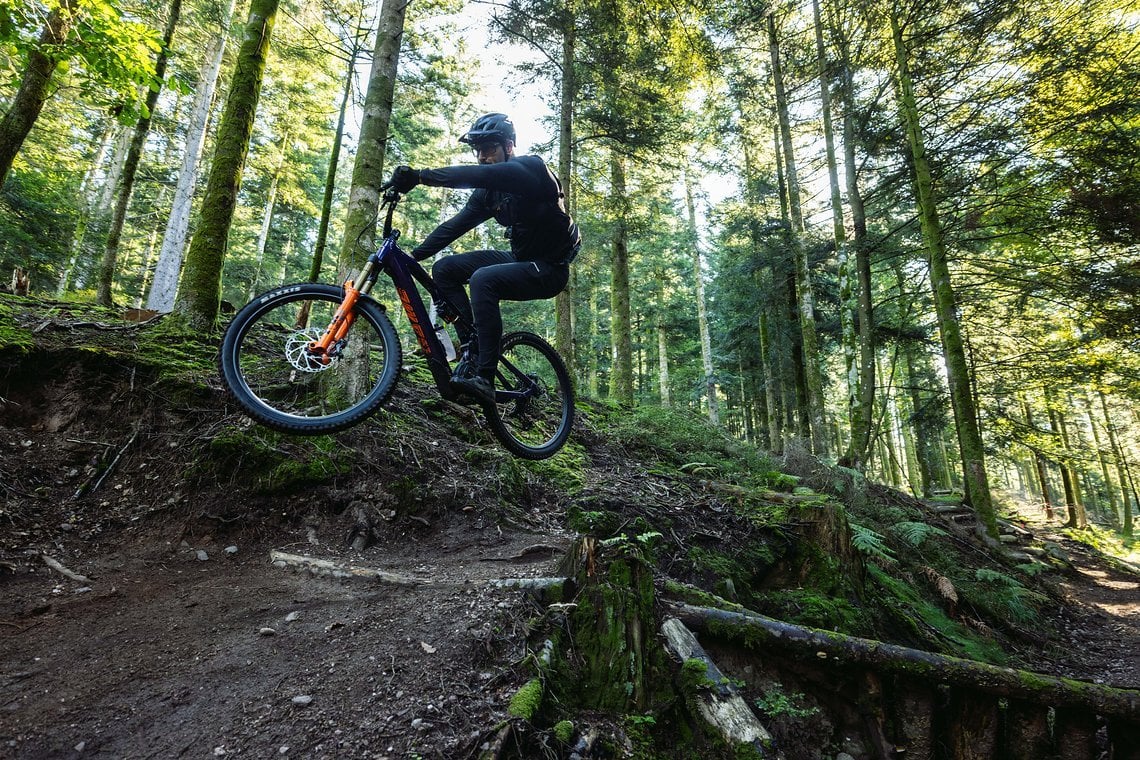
[[405, 272]]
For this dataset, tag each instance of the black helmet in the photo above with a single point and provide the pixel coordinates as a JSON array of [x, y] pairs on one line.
[[492, 127]]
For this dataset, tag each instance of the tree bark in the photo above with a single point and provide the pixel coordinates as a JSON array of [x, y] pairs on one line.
[[200, 289], [564, 302], [713, 406], [662, 345], [957, 368], [1121, 468], [859, 258], [330, 175], [813, 377], [34, 86], [718, 701], [621, 384], [166, 271], [368, 171], [267, 216]]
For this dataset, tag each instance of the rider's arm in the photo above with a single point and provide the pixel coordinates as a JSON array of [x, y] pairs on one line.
[[508, 176], [474, 213]]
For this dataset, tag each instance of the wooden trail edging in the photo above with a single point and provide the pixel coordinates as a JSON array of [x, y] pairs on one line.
[[913, 663]]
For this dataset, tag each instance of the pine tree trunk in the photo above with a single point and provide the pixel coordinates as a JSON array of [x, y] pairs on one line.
[[108, 264], [848, 292], [1102, 460], [1073, 506], [368, 171], [621, 384], [199, 293], [564, 302], [1039, 463], [330, 175], [781, 326], [592, 369], [86, 206], [266, 226], [702, 310], [769, 397], [863, 417], [1121, 468], [814, 409], [923, 446], [33, 93], [662, 345], [166, 271], [970, 443]]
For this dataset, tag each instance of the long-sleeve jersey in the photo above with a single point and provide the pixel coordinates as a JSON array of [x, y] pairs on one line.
[[521, 194]]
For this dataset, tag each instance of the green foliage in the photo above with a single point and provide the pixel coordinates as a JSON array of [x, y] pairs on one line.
[[600, 523], [273, 462], [1003, 596], [906, 613], [871, 544], [915, 533], [810, 607], [563, 471], [1106, 542], [691, 445], [777, 704]]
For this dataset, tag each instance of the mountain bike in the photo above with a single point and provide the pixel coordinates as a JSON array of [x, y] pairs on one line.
[[313, 358]]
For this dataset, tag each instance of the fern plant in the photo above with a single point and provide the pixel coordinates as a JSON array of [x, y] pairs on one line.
[[914, 533], [871, 545]]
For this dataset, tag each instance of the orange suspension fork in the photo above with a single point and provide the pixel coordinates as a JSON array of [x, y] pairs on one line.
[[342, 320]]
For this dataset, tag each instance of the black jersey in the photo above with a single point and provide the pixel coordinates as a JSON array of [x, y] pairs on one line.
[[521, 194]]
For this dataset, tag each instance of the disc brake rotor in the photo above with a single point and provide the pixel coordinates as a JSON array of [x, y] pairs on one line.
[[298, 354]]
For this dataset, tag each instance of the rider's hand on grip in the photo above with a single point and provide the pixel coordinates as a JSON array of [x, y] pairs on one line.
[[404, 178]]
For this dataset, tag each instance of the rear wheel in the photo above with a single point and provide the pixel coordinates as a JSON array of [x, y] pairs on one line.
[[268, 368], [534, 399]]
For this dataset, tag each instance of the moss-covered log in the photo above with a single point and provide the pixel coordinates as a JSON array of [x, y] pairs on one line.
[[716, 699], [759, 631]]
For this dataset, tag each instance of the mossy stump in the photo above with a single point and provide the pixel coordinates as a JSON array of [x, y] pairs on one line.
[[824, 558], [613, 647]]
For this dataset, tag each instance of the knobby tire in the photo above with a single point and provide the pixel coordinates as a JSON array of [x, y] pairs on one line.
[[534, 411], [267, 371]]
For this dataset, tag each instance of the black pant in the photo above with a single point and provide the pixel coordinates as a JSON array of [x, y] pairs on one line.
[[494, 276]]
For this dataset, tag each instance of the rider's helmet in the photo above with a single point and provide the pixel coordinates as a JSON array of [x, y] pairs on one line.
[[492, 127]]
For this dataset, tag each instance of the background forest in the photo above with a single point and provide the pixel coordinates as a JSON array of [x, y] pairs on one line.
[[903, 233]]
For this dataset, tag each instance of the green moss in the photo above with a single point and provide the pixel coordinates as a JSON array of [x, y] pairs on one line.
[[695, 675], [565, 471], [902, 604], [594, 522], [808, 606], [272, 461], [745, 568], [564, 731], [13, 336], [527, 700], [686, 443]]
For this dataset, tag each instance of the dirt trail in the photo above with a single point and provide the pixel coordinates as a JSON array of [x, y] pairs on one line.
[[166, 655]]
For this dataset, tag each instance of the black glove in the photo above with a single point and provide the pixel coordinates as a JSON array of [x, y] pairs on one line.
[[404, 179]]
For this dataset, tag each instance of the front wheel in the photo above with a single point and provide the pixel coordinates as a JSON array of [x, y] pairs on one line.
[[268, 368], [534, 400]]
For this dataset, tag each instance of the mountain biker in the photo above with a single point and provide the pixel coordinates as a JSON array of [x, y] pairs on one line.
[[523, 195]]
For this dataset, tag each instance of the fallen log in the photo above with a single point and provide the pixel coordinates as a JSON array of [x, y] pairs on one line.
[[719, 704], [756, 630], [335, 569]]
